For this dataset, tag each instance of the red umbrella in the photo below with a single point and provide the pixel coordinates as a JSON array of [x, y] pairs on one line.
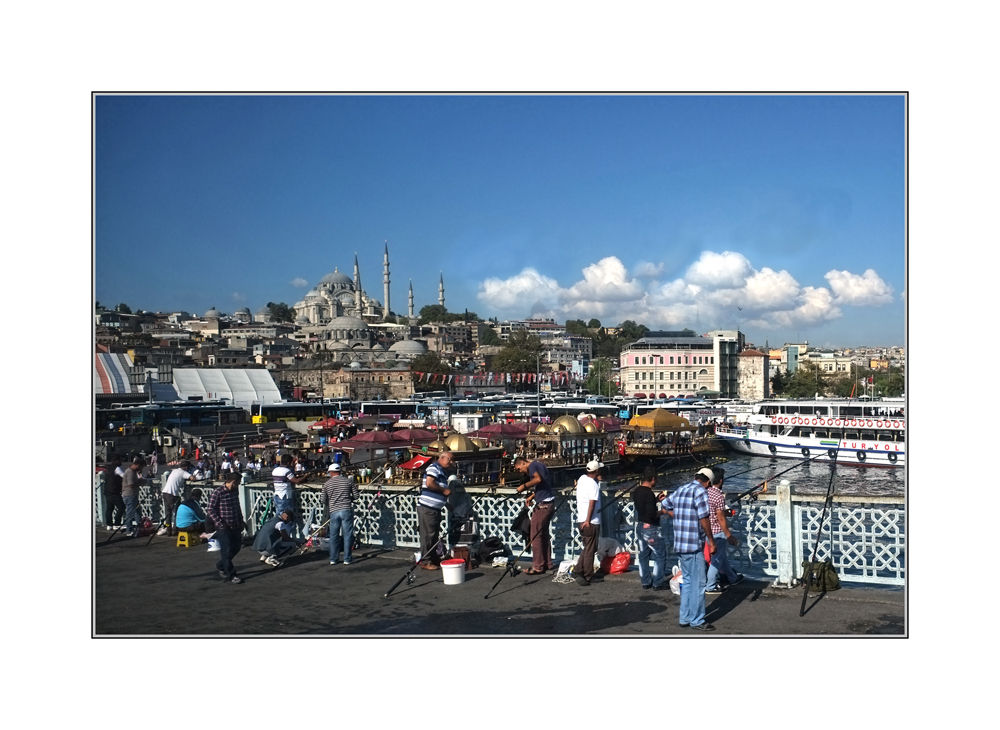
[[326, 423], [368, 437], [504, 429], [413, 435]]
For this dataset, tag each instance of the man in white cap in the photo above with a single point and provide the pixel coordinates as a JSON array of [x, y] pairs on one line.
[[692, 530], [588, 517], [339, 493]]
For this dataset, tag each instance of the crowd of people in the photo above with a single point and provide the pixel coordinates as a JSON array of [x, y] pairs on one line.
[[701, 531]]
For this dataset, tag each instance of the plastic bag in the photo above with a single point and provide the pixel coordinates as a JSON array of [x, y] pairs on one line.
[[676, 580], [620, 563]]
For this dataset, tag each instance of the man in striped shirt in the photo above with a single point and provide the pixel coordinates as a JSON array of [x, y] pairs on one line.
[[224, 509], [432, 499], [689, 508], [339, 493]]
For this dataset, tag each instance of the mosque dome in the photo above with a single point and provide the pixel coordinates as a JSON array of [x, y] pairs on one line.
[[377, 348], [336, 279], [355, 365], [460, 442], [302, 319], [313, 294], [375, 302], [212, 313], [263, 311], [566, 424], [408, 347], [347, 323], [243, 310], [337, 345]]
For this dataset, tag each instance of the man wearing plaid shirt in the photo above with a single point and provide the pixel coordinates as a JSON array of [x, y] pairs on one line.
[[224, 509], [689, 508]]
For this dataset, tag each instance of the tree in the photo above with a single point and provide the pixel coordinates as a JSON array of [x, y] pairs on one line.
[[594, 324], [123, 308], [577, 327], [599, 380], [429, 362], [281, 312], [490, 337], [806, 381], [777, 383], [519, 355]]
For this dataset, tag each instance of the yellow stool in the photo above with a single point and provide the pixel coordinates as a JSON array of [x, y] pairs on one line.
[[186, 539]]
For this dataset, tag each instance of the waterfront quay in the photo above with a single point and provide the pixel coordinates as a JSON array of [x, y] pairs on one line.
[[146, 587]]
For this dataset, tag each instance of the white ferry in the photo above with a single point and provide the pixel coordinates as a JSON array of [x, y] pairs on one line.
[[858, 432]]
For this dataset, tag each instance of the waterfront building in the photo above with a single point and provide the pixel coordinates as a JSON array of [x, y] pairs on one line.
[[681, 364]]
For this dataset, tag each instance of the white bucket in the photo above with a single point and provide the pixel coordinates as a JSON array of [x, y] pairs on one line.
[[453, 571]]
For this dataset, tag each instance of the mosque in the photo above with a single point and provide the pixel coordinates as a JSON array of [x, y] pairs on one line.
[[345, 320]]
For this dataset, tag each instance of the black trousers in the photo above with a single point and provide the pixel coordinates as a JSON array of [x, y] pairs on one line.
[[114, 506], [585, 563], [230, 543], [170, 503], [429, 525]]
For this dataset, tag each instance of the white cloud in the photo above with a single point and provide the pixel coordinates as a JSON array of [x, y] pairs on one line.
[[646, 270], [522, 291], [605, 281], [718, 290], [726, 270], [299, 283], [237, 297], [860, 290]]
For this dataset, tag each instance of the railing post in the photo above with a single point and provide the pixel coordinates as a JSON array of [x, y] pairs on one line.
[[99, 480], [245, 505], [783, 535]]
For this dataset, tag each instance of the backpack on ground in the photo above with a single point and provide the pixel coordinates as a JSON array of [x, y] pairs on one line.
[[491, 547]]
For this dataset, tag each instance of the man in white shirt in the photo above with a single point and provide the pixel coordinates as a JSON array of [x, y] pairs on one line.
[[284, 480], [588, 518], [173, 489]]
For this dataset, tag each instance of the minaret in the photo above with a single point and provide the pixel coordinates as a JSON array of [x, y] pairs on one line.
[[411, 299], [441, 290], [385, 281], [357, 286]]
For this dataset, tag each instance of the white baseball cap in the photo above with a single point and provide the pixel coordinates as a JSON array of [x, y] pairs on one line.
[[594, 465], [334, 467]]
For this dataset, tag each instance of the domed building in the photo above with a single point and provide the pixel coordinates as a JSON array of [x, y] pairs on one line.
[[338, 295]]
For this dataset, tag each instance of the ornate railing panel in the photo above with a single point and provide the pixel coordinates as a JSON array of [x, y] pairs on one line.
[[869, 534]]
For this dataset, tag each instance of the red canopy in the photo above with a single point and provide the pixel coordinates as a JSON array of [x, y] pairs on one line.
[[327, 423], [640, 395], [504, 429], [413, 435], [366, 438], [662, 395]]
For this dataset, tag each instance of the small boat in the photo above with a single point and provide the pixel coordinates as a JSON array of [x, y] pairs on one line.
[[862, 433]]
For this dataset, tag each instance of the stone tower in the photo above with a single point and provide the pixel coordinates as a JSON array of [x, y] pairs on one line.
[[410, 310], [357, 286], [385, 282], [441, 290]]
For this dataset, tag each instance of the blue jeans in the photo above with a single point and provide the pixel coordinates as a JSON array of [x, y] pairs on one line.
[[651, 544], [132, 512], [341, 521], [693, 592], [720, 563]]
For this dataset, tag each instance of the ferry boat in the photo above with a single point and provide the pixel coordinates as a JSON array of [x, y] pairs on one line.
[[857, 432]]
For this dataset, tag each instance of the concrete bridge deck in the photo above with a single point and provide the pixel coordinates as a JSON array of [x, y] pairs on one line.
[[164, 590]]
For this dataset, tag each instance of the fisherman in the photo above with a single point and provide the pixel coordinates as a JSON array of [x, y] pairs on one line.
[[339, 493], [224, 510], [540, 481], [171, 494], [647, 532], [273, 539], [432, 499], [588, 517], [689, 508], [284, 479], [191, 517], [114, 507], [721, 535], [131, 482]]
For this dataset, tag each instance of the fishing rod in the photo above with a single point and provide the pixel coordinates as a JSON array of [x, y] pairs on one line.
[[407, 576], [512, 566], [379, 481], [756, 489], [827, 503]]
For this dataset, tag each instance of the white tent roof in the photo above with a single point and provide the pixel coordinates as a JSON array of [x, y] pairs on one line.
[[242, 387]]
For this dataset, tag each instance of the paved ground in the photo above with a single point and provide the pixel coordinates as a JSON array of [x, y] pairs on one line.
[[165, 590]]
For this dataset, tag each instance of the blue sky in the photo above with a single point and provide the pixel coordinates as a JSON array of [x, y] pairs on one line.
[[781, 215]]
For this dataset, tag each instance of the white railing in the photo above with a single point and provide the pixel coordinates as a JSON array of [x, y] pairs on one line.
[[776, 533]]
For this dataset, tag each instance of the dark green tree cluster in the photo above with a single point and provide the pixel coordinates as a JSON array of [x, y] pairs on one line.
[[599, 380], [429, 362], [281, 312], [808, 380], [438, 313]]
